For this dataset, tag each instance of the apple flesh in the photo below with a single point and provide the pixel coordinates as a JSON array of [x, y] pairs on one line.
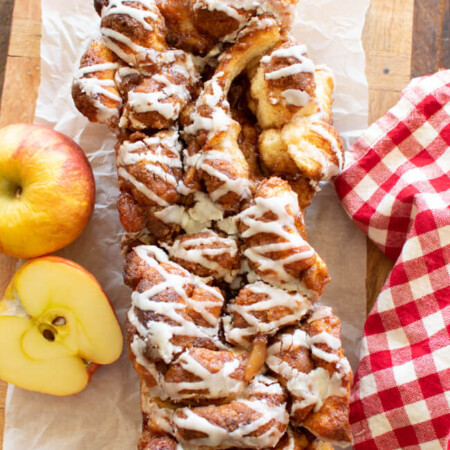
[[47, 190], [56, 327]]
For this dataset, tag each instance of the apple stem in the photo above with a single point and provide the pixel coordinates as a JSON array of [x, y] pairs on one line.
[[19, 192]]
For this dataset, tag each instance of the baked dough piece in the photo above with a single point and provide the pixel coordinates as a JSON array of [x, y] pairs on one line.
[[130, 28], [207, 254], [310, 363], [158, 100], [222, 165], [257, 420], [203, 26], [275, 240], [315, 147], [305, 146], [149, 442], [150, 167], [93, 90], [172, 309], [181, 31], [262, 310], [173, 329], [292, 101], [283, 86]]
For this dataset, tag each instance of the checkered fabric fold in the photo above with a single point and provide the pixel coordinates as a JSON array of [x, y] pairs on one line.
[[397, 189]]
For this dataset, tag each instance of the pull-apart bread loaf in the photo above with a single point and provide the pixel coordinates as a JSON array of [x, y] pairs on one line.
[[224, 131]]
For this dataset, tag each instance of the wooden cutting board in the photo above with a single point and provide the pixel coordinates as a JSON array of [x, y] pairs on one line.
[[388, 41]]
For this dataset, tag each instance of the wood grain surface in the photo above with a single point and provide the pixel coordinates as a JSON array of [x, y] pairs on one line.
[[400, 36], [5, 28], [20, 88], [431, 46]]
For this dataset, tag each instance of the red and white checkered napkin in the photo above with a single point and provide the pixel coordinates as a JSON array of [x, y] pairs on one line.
[[397, 189]]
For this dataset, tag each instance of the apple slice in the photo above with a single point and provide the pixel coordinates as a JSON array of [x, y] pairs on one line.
[[56, 327]]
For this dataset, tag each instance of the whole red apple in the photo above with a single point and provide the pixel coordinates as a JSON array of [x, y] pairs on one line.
[[47, 190]]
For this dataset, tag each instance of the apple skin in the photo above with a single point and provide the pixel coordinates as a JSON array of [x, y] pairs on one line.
[[47, 190], [42, 289]]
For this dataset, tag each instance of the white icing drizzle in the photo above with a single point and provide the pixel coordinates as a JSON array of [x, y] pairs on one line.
[[221, 6], [257, 23], [195, 219], [167, 101], [204, 209], [259, 255], [228, 225], [173, 214], [314, 388], [142, 102], [212, 114], [165, 142], [238, 185], [302, 148], [96, 68], [320, 313], [109, 36], [325, 338], [296, 97], [95, 88], [287, 71], [218, 385], [295, 51], [330, 170], [141, 187], [157, 58], [169, 88], [282, 11], [199, 250], [158, 334], [219, 119], [161, 154], [270, 298], [126, 71], [215, 385], [190, 162], [139, 15], [298, 52]]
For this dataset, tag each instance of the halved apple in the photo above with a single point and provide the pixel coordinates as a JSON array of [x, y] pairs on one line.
[[56, 327]]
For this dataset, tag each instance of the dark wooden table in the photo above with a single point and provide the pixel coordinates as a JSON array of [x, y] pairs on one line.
[[402, 39]]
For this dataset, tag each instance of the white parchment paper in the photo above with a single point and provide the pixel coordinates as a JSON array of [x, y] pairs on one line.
[[106, 415]]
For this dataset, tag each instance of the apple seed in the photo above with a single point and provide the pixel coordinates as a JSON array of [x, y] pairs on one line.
[[48, 334], [58, 321]]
